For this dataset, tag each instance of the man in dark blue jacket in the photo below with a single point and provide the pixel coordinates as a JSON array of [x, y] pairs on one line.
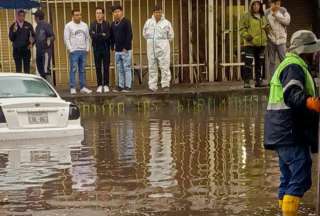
[[291, 122], [44, 44], [21, 35]]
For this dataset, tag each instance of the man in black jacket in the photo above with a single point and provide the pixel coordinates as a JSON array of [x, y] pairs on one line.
[[22, 35], [44, 43], [121, 42], [100, 35]]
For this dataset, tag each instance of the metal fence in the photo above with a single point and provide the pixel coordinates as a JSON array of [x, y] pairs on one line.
[[206, 47]]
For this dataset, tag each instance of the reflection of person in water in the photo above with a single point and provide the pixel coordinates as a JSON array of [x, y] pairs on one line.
[[125, 138], [84, 172], [161, 165]]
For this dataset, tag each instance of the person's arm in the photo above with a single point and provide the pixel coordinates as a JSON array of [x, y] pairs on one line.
[[50, 35], [13, 31], [67, 33], [283, 17], [129, 35], [292, 80], [244, 28], [92, 31], [145, 30], [87, 38], [106, 31], [170, 32]]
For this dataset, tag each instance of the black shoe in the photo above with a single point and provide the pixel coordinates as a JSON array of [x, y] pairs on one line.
[[117, 89], [259, 84]]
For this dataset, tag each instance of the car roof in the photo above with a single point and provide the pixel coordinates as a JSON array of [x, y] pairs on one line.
[[4, 74]]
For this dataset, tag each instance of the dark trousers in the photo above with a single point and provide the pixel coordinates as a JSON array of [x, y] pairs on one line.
[[22, 56], [43, 61], [102, 60], [253, 54], [295, 167]]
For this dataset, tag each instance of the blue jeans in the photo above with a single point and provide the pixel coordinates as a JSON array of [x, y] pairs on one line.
[[123, 62], [295, 166], [77, 61]]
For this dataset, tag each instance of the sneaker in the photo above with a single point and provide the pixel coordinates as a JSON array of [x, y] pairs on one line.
[[126, 90], [246, 84], [85, 90], [73, 91], [152, 90], [106, 89], [99, 89], [117, 89], [259, 84]]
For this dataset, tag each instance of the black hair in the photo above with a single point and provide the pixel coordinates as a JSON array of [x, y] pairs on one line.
[[75, 10], [21, 11], [100, 8], [274, 1], [116, 7], [157, 8]]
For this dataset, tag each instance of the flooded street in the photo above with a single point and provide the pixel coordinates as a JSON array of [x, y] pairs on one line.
[[167, 161]]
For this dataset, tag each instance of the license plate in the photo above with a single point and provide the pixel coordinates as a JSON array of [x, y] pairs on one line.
[[38, 118]]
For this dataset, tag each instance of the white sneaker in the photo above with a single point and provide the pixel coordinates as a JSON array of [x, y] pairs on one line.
[[85, 90], [99, 89], [73, 91], [106, 89]]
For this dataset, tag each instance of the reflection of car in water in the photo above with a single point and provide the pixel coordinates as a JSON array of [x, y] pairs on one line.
[[31, 163], [31, 108]]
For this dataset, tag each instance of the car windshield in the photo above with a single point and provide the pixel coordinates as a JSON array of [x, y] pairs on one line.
[[13, 87]]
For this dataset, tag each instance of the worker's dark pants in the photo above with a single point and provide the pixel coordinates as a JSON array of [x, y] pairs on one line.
[[102, 59], [22, 56], [295, 167], [43, 61], [253, 54]]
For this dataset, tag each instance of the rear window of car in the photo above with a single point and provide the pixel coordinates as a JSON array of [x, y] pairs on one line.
[[13, 87]]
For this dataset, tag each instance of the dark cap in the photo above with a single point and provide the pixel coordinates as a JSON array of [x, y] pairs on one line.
[[39, 14]]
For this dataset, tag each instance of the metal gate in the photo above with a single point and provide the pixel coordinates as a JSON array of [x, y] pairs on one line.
[[206, 47]]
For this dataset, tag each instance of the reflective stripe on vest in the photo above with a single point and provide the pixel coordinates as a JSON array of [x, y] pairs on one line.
[[276, 100]]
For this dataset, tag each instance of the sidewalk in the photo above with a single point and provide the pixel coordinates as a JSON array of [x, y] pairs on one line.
[[177, 90]]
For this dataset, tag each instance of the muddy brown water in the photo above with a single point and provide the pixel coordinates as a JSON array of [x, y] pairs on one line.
[[190, 161]]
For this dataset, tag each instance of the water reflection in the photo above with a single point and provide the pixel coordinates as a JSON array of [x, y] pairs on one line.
[[161, 163]]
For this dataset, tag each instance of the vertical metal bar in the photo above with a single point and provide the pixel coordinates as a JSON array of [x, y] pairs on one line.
[[190, 40], [48, 11], [238, 39], [231, 37], [181, 39], [173, 41], [140, 41], [216, 40], [90, 53], [1, 51], [198, 43], [223, 42], [211, 41], [9, 45], [206, 37], [65, 50], [58, 41]]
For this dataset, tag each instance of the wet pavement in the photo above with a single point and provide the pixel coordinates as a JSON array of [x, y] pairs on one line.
[[188, 156]]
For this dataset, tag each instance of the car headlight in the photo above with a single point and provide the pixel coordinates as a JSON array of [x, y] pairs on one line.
[[74, 112], [2, 117]]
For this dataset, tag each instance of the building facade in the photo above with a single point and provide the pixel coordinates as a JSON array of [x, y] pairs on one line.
[[207, 44]]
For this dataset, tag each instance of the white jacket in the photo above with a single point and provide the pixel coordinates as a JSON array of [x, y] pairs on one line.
[[161, 30], [76, 37], [278, 22]]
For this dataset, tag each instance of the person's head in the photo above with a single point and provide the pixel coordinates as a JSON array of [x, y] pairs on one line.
[[21, 15], [304, 43], [99, 14], [275, 4], [117, 12], [256, 7], [157, 12], [76, 15], [39, 16]]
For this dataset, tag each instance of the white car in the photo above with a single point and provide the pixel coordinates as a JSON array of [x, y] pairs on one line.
[[30, 108]]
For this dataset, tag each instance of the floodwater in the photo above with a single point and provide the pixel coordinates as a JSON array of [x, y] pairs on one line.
[[162, 162]]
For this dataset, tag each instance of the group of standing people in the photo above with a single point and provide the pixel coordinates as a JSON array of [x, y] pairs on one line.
[[117, 37], [259, 30], [104, 38], [24, 37]]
